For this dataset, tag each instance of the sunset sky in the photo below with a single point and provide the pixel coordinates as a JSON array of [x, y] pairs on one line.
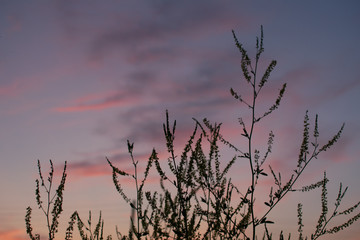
[[79, 78]]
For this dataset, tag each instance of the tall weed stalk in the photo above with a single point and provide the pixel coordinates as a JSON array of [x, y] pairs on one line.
[[197, 199], [54, 200], [199, 193]]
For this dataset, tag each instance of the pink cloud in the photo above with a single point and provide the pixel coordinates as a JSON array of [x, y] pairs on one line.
[[99, 102], [22, 83], [91, 170], [13, 234], [129, 181], [89, 107], [100, 167], [14, 24], [10, 89]]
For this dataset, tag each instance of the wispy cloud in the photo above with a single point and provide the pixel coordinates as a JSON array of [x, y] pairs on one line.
[[14, 24], [144, 38], [98, 166], [95, 102], [10, 89]]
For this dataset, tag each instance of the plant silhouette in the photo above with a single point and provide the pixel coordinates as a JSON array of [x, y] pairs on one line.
[[197, 198], [55, 200]]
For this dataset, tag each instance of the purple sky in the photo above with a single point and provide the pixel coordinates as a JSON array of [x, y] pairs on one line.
[[79, 78]]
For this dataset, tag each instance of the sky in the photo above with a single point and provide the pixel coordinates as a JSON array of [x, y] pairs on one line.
[[80, 78]]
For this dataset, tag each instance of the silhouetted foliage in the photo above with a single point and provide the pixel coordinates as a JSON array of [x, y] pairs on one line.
[[55, 200], [97, 234], [197, 198]]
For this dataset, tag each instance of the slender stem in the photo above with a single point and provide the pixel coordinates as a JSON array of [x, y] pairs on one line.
[[91, 235], [208, 208], [137, 196], [314, 154], [250, 151], [48, 208], [326, 222]]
